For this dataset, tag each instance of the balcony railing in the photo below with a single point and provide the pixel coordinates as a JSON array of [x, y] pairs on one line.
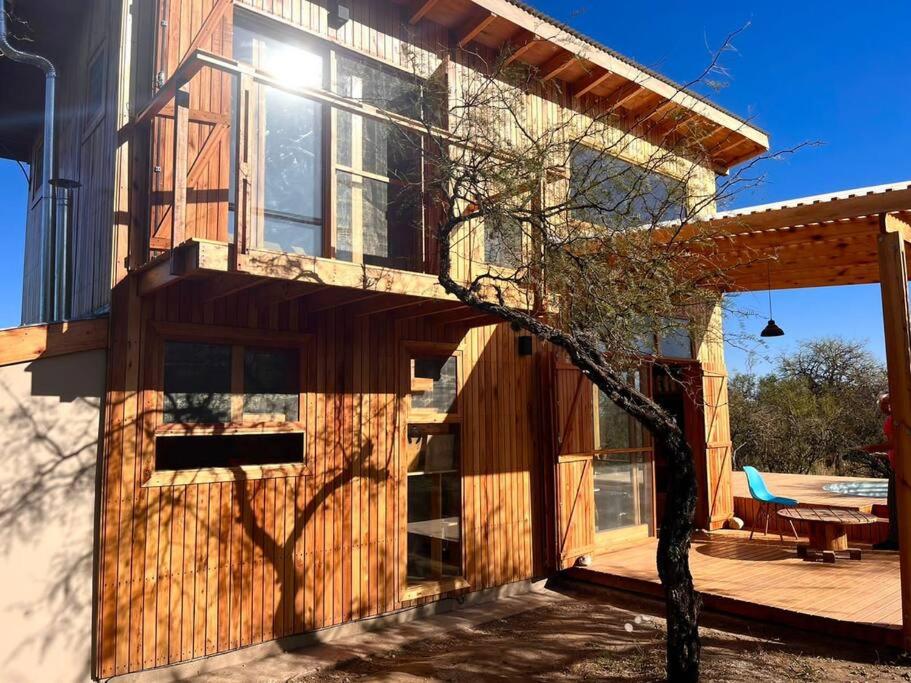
[[274, 170]]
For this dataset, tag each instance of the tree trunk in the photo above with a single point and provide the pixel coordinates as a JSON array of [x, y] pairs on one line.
[[682, 602]]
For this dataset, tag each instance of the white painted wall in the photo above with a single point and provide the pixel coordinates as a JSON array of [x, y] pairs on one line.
[[49, 429]]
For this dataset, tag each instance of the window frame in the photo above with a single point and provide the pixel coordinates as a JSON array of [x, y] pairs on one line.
[[623, 158], [647, 451], [412, 590], [326, 95], [154, 426]]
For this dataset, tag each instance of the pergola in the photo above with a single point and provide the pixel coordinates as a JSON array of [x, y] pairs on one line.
[[852, 237]]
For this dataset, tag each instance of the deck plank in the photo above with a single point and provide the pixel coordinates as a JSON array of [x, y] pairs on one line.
[[764, 579]]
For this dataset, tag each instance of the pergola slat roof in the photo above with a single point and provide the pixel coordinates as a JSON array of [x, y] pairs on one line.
[[592, 70], [817, 241]]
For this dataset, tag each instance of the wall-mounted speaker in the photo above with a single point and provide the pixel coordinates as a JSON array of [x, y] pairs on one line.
[[339, 13]]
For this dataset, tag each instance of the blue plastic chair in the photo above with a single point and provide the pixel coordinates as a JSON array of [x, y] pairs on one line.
[[767, 501]]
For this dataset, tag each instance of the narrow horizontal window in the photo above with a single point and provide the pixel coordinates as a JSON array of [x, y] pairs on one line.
[[228, 450]]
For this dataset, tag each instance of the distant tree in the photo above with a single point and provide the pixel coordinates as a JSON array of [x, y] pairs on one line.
[[812, 413]]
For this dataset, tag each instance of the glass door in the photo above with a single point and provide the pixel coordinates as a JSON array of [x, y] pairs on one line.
[[623, 473]]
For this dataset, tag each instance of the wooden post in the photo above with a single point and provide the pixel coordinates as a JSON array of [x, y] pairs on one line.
[[893, 277], [243, 210], [181, 134]]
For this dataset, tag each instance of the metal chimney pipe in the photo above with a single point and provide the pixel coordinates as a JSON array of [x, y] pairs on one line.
[[47, 191], [63, 247]]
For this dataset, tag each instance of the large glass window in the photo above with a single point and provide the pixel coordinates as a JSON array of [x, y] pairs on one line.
[[434, 502], [287, 141], [199, 384], [379, 217], [609, 191]]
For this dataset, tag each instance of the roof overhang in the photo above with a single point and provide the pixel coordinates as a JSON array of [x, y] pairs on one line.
[[818, 241], [645, 98], [47, 27]]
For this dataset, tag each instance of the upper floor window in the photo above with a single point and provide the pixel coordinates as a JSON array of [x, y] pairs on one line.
[[609, 191], [503, 241], [287, 137], [292, 63], [671, 339]]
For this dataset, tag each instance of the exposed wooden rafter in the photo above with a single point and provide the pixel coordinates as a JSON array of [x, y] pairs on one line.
[[523, 41], [622, 95], [590, 82], [420, 9], [556, 65], [472, 28]]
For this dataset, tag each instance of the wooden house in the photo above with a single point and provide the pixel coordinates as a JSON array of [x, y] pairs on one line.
[[300, 428]]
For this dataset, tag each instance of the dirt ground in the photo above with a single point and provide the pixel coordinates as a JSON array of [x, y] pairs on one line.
[[608, 636]]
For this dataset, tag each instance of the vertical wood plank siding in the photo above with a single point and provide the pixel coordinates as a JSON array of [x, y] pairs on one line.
[[86, 143], [194, 570]]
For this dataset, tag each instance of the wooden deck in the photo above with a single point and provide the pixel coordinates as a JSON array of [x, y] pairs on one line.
[[765, 580]]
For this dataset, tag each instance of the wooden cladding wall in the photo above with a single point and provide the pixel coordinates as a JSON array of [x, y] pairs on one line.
[[87, 93], [194, 570]]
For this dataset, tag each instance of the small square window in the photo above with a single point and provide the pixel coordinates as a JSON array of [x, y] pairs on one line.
[[271, 385], [435, 383], [197, 383]]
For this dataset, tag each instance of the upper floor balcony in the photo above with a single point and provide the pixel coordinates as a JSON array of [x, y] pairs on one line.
[[292, 161]]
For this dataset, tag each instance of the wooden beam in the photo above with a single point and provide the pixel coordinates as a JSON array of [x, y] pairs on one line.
[[25, 344], [179, 181], [556, 65], [519, 44], [280, 291], [461, 316], [426, 308], [337, 297], [893, 271], [660, 112], [390, 302], [219, 287], [621, 95], [420, 9], [472, 28], [590, 82]]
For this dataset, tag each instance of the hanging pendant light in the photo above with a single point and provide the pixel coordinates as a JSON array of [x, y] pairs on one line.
[[771, 329]]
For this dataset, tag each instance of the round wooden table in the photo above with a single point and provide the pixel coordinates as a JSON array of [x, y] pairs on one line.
[[828, 531]]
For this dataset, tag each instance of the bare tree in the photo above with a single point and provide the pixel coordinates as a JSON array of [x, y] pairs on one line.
[[592, 241]]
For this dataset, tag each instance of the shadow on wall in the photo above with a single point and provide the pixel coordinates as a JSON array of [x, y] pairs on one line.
[[49, 432]]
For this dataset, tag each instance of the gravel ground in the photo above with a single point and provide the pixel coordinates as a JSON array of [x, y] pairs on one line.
[[611, 636]]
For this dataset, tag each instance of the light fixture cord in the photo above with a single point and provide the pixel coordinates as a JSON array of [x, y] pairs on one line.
[[769, 290]]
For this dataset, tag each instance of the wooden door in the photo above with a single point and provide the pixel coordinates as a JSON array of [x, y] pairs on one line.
[[573, 450]]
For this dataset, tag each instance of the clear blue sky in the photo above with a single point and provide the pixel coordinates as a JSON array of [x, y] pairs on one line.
[[838, 73]]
